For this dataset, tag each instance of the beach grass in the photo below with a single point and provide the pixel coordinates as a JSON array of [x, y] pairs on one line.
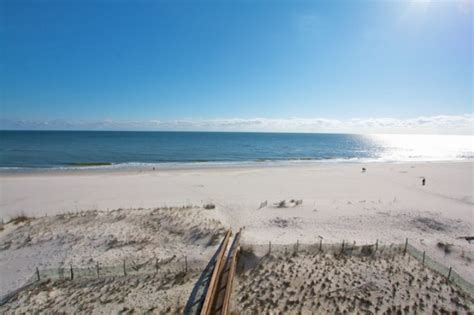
[[20, 219]]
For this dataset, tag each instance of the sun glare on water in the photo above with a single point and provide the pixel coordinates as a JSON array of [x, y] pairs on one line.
[[425, 147]]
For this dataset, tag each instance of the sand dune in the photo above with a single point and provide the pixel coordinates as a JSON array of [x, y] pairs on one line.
[[332, 202], [330, 283], [86, 238]]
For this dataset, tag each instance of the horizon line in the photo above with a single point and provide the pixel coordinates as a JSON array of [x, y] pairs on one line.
[[440, 124], [231, 131]]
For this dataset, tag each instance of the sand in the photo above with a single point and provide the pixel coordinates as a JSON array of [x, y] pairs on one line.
[[144, 294], [333, 202], [330, 283], [145, 236]]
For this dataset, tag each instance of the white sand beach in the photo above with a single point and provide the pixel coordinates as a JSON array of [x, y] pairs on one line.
[[242, 157], [334, 202]]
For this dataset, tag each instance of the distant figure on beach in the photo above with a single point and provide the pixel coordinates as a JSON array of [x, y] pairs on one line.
[[263, 204], [153, 168], [423, 181], [363, 170]]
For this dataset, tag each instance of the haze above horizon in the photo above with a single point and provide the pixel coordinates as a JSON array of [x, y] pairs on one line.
[[342, 66]]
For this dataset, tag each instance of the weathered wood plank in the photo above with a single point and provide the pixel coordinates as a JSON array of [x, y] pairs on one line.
[[230, 278], [210, 295]]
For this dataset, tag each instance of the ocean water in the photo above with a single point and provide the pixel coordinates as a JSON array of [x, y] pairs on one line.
[[26, 150]]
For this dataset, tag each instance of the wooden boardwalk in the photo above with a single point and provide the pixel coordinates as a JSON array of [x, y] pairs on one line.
[[225, 281], [212, 292]]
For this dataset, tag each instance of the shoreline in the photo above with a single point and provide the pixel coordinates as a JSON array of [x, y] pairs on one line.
[[125, 168]]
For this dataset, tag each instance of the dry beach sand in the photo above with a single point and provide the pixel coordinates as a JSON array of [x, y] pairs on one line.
[[332, 202]]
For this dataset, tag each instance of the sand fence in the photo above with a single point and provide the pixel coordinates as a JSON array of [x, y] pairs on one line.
[[128, 267], [450, 274], [174, 265], [368, 250]]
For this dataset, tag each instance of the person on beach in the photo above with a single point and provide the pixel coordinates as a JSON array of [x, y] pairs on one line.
[[423, 181]]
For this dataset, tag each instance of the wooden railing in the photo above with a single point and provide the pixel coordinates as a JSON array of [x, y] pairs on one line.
[[211, 289], [230, 278], [219, 290]]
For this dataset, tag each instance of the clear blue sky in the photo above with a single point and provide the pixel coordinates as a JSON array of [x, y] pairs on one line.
[[140, 60]]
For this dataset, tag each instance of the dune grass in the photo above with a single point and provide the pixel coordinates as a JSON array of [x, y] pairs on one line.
[[20, 219]]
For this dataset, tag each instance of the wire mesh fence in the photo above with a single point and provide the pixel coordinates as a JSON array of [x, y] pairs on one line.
[[130, 267], [345, 248], [451, 275], [368, 250], [127, 267]]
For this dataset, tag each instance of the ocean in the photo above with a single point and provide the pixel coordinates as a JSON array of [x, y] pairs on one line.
[[72, 150]]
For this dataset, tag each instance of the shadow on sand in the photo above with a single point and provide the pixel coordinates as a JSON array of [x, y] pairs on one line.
[[196, 299]]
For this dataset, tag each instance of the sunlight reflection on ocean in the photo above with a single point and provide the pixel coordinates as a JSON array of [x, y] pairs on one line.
[[400, 148]]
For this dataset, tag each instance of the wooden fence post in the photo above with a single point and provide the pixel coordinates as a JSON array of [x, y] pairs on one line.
[[423, 259], [376, 244], [97, 269], [269, 247], [406, 245], [449, 273], [71, 272], [186, 264], [342, 247], [37, 274], [320, 244]]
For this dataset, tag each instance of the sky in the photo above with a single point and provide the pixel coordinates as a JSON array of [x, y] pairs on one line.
[[310, 66]]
